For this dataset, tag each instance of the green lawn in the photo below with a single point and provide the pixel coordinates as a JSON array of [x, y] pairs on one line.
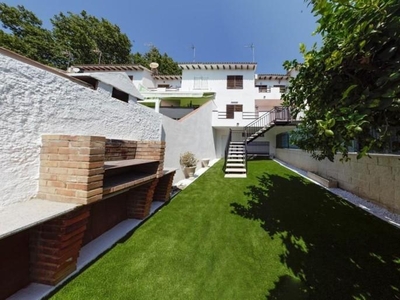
[[273, 235]]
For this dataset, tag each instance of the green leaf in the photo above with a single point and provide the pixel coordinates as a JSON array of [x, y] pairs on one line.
[[348, 90]]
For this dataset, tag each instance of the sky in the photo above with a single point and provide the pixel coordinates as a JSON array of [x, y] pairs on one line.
[[219, 30]]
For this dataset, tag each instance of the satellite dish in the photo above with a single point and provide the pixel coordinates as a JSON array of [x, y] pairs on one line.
[[76, 70], [154, 65]]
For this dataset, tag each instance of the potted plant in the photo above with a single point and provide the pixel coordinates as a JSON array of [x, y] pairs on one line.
[[188, 161]]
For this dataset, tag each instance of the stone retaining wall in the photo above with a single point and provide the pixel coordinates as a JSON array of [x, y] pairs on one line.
[[375, 178]]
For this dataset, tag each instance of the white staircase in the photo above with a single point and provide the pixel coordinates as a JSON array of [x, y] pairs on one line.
[[236, 161], [258, 133]]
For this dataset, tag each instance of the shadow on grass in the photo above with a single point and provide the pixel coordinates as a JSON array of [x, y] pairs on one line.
[[334, 249]]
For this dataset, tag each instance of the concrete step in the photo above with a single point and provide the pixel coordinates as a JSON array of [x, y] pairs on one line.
[[236, 143], [235, 165], [235, 170], [234, 160], [235, 176]]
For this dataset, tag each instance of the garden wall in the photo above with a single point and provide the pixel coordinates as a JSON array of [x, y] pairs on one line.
[[36, 101], [192, 133], [375, 178]]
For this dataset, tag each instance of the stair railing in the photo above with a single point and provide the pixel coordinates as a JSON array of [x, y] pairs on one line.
[[245, 154], [257, 124], [277, 114], [228, 142]]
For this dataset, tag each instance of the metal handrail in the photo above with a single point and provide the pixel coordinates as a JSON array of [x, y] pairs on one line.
[[245, 154], [266, 120]]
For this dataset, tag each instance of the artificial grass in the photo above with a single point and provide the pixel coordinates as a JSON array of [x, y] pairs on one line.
[[273, 235]]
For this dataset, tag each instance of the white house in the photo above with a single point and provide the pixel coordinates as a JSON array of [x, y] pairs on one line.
[[240, 96]]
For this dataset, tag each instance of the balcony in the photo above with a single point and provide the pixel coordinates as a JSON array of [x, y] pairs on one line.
[[239, 119], [263, 92]]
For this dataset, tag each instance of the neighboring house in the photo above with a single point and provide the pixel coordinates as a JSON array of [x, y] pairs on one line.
[[241, 97], [116, 85], [239, 94]]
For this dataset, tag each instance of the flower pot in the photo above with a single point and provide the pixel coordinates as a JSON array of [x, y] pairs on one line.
[[205, 162], [190, 171]]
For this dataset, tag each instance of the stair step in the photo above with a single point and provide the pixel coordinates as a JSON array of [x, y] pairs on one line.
[[234, 165], [236, 143], [235, 170], [233, 160], [236, 152], [235, 175]]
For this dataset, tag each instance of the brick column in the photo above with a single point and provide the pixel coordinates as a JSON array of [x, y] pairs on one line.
[[140, 199], [71, 168], [55, 246], [163, 189], [153, 150]]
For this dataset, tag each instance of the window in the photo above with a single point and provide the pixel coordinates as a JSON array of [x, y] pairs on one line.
[[200, 83], [282, 88], [120, 95], [264, 89], [231, 108], [234, 82]]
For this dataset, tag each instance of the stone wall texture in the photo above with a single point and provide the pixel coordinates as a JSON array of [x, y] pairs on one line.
[[375, 178], [34, 102]]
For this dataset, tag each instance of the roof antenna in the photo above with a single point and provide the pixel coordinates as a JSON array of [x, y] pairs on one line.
[[194, 52], [97, 51], [251, 46]]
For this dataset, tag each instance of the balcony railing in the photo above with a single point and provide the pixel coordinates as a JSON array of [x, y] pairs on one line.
[[249, 115]]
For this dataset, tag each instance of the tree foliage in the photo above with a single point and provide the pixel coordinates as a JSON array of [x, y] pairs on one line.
[[74, 39], [167, 66], [349, 88], [25, 34], [90, 40]]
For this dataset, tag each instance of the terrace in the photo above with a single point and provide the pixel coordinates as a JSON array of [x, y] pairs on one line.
[[273, 234]]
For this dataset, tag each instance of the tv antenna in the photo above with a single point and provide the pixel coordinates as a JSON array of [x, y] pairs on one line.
[[150, 45], [251, 46], [97, 51], [69, 55], [194, 52]]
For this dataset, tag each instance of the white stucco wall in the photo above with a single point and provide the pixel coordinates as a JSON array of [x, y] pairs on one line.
[[193, 133], [142, 78], [176, 83], [105, 88], [35, 102], [217, 81]]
